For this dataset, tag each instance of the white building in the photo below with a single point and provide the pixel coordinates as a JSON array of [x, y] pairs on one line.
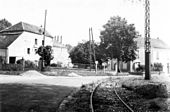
[[22, 40], [60, 52], [160, 53]]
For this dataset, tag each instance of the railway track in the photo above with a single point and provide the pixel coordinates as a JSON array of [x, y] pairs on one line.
[[115, 102], [104, 96]]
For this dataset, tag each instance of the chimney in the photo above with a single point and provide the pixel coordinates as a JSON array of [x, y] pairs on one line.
[[57, 38], [61, 39]]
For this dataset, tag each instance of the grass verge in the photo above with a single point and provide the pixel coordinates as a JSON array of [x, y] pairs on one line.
[[32, 98]]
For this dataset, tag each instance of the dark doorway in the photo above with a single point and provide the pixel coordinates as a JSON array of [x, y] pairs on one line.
[[12, 60]]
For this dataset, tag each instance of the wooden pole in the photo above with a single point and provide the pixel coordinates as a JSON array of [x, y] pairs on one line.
[[43, 42], [90, 48], [94, 54]]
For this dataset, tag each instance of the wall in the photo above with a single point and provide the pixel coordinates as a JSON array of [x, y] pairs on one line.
[[60, 55], [157, 55], [26, 40]]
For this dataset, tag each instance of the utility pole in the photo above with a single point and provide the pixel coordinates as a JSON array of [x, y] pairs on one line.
[[43, 42], [94, 55], [90, 58], [147, 41], [93, 50]]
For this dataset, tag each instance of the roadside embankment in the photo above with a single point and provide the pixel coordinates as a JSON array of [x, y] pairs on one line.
[[156, 90]]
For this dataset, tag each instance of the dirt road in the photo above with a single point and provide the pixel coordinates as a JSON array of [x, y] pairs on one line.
[[52, 80]]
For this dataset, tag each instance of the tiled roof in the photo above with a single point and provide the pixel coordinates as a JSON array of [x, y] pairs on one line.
[[22, 26], [10, 34], [155, 43], [6, 40]]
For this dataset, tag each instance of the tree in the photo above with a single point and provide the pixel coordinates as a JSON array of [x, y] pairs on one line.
[[80, 53], [46, 54], [4, 24], [69, 47], [118, 40]]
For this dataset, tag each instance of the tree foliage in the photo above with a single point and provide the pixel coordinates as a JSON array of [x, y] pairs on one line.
[[81, 53], [45, 52], [69, 47], [118, 40], [4, 24]]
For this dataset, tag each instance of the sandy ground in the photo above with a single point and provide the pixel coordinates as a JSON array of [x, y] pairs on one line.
[[52, 80], [34, 77]]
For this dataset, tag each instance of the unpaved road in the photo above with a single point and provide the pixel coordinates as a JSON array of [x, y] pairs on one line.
[[51, 80], [33, 77]]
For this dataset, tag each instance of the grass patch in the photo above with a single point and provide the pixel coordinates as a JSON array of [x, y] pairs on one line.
[[81, 72], [32, 98]]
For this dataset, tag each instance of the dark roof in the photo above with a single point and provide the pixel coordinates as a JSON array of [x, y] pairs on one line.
[[10, 34], [21, 26], [6, 40], [155, 43]]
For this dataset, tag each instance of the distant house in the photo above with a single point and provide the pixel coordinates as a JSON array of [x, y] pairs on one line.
[[160, 53], [60, 52], [22, 40]]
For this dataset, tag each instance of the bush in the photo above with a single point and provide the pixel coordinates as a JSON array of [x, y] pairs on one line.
[[58, 64], [157, 67], [20, 61], [30, 65], [140, 68], [12, 67]]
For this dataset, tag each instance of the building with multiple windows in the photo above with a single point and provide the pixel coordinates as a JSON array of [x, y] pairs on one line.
[[22, 41], [160, 54]]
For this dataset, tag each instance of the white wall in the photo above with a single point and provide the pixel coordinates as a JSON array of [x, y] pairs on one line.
[[142, 55], [161, 56], [27, 40], [60, 55], [157, 56]]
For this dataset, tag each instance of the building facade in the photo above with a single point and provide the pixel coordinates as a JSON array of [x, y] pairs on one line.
[[160, 54], [22, 41]]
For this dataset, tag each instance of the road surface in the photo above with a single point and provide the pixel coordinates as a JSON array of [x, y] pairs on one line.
[[51, 80]]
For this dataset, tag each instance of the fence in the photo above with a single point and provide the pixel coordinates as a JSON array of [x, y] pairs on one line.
[[11, 67], [86, 66], [20, 66]]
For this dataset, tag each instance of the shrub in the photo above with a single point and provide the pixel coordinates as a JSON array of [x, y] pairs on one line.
[[20, 61], [30, 65], [157, 67], [58, 64], [12, 67], [140, 68], [53, 65]]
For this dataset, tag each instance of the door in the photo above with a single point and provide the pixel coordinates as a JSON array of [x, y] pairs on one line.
[[12, 60]]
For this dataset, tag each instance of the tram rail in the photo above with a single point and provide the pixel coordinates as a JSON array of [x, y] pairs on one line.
[[94, 90]]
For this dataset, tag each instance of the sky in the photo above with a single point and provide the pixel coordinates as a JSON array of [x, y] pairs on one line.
[[72, 19]]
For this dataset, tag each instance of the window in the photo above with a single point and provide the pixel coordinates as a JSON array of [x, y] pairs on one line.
[[28, 50], [36, 41], [35, 51]]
